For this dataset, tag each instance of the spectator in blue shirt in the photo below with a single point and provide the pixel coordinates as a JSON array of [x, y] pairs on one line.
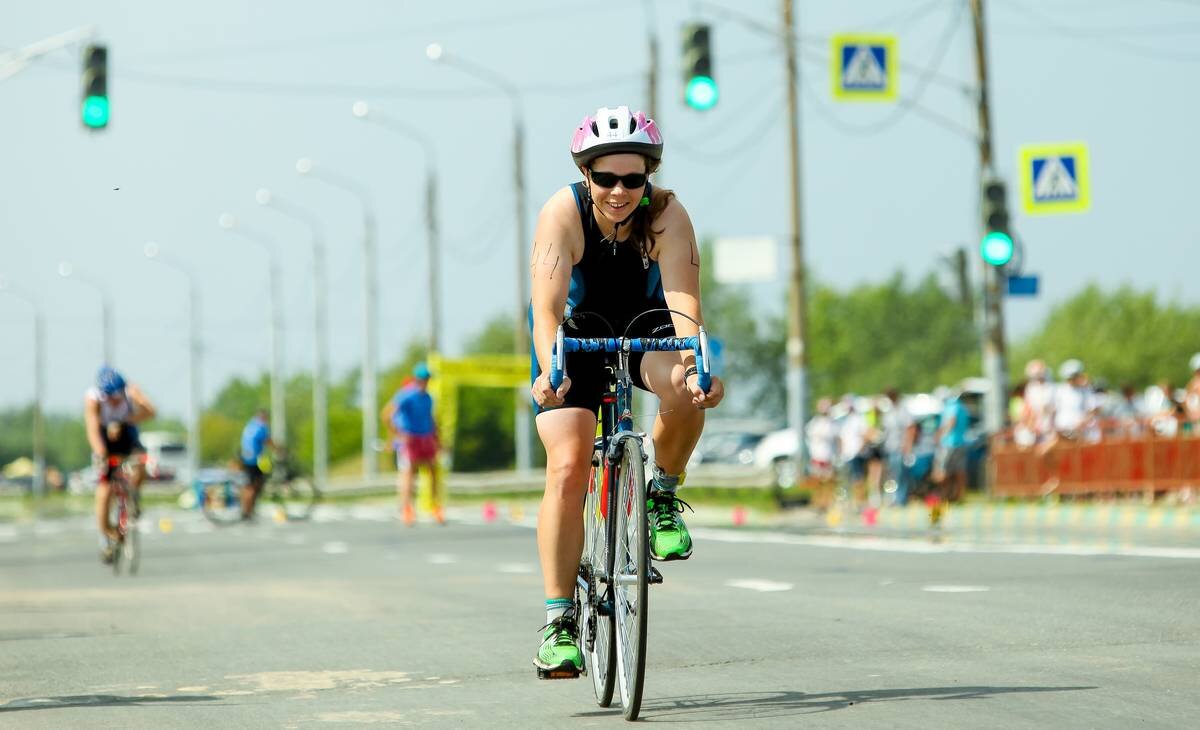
[[256, 439], [950, 459], [409, 416]]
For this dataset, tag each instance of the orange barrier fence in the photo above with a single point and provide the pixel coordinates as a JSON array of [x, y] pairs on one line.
[[1146, 463]]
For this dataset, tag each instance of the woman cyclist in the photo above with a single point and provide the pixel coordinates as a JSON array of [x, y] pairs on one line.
[[607, 249]]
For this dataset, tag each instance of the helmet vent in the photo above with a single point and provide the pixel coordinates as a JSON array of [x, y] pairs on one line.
[[612, 122]]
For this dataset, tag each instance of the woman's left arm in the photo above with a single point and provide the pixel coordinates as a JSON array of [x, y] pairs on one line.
[[679, 264]]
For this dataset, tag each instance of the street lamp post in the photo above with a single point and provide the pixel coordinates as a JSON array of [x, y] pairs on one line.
[[39, 386], [369, 395], [362, 111], [320, 329], [275, 323], [154, 252], [436, 53], [68, 271]]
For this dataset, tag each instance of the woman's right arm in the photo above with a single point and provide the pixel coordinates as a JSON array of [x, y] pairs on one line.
[[556, 249]]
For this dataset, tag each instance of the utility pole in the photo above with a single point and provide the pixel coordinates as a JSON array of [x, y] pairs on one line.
[[797, 354], [995, 367], [652, 71]]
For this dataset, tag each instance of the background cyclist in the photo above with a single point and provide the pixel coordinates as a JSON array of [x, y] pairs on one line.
[[607, 249], [256, 439], [111, 411]]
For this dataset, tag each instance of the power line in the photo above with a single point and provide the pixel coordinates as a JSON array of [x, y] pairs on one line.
[[1109, 42], [908, 103], [729, 154], [327, 40]]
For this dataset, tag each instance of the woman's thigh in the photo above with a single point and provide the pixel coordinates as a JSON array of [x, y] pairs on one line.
[[662, 373], [568, 435]]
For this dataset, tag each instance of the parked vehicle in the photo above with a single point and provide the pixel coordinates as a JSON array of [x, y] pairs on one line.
[[166, 455]]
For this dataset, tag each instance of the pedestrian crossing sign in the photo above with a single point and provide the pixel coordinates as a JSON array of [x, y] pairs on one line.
[[1054, 178], [864, 67]]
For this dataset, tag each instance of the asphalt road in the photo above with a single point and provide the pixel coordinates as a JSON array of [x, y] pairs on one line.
[[355, 620]]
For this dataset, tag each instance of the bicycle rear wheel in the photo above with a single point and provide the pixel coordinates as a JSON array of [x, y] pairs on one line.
[[296, 498], [597, 625], [631, 573]]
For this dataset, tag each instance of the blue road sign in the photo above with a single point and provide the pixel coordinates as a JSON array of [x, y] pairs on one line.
[[864, 67], [1054, 178], [1023, 286]]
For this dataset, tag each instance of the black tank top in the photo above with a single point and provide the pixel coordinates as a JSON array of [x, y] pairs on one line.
[[614, 281]]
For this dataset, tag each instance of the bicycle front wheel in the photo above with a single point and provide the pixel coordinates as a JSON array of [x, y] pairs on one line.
[[296, 498], [597, 621], [115, 516], [631, 572]]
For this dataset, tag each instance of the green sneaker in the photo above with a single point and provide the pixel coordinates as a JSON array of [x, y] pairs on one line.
[[559, 657], [669, 538]]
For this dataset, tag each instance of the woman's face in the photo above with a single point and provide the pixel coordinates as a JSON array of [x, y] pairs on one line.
[[607, 178]]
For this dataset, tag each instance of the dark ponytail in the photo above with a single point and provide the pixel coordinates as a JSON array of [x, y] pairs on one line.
[[643, 230]]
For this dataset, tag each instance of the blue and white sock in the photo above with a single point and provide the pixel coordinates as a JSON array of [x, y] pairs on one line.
[[664, 482], [556, 607]]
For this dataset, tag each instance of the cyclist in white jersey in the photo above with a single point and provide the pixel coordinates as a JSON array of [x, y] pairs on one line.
[[111, 411]]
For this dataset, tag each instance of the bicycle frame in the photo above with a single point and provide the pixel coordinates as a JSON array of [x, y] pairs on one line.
[[606, 590]]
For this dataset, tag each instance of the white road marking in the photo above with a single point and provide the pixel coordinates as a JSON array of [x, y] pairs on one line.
[[335, 548], [759, 584], [514, 568], [441, 558], [8, 534], [956, 589], [897, 545], [199, 528]]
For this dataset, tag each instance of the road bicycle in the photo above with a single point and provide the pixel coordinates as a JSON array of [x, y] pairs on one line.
[[123, 516], [293, 499], [612, 588]]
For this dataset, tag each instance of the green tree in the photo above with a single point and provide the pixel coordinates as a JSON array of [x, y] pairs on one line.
[[486, 420], [1123, 336], [862, 340]]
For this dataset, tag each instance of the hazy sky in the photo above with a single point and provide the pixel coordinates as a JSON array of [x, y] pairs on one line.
[[214, 100]]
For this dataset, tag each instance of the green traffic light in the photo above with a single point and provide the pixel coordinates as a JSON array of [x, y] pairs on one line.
[[996, 248], [701, 93], [95, 111]]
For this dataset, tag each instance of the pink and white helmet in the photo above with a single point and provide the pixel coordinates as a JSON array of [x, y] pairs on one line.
[[615, 130]]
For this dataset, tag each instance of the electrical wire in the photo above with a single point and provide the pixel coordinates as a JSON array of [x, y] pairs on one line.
[[732, 152], [906, 104], [492, 22], [1082, 34]]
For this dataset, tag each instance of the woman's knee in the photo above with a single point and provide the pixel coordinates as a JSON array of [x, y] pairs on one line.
[[566, 476]]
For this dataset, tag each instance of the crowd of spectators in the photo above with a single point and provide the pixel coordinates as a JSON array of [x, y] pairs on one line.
[[881, 447], [887, 446], [1080, 408]]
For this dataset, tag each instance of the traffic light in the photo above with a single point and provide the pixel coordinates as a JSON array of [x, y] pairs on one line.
[[700, 87], [94, 106], [997, 244]]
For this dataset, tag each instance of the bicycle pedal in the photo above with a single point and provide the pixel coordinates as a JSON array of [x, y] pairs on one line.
[[655, 577], [558, 673]]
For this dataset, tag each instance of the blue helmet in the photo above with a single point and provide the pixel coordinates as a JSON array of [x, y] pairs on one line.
[[421, 371], [109, 381]]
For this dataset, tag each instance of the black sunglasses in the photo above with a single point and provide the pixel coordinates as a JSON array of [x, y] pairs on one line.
[[632, 181]]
